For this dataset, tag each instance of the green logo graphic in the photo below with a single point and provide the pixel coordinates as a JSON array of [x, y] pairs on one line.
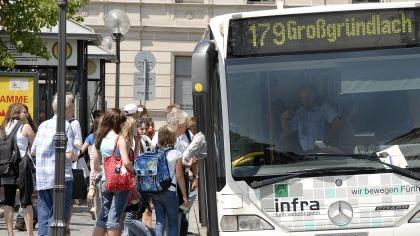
[[281, 190]]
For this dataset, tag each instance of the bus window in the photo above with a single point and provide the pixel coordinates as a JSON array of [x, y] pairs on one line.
[[343, 103]]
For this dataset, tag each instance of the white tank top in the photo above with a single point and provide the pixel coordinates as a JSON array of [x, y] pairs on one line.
[[22, 141]]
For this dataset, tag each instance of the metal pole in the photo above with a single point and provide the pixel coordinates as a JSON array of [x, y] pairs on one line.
[[83, 86], [102, 84], [58, 224], [145, 79], [117, 38]]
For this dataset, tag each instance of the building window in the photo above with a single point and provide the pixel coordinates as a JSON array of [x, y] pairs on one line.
[[261, 1], [183, 83], [189, 1], [365, 1]]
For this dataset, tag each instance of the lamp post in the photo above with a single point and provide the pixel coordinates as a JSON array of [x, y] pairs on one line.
[[118, 24], [58, 224]]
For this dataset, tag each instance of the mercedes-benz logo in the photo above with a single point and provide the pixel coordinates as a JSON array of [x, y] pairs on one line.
[[340, 213]]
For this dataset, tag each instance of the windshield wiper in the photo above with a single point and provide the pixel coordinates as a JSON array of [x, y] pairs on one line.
[[373, 158], [292, 175]]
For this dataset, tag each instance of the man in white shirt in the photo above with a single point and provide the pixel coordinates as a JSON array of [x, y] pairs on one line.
[[312, 122], [43, 149]]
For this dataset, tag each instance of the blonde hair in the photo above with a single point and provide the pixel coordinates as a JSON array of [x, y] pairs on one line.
[[177, 117], [13, 113], [166, 136], [127, 130]]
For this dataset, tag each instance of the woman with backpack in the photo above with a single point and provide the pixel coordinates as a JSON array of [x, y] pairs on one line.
[[110, 145], [26, 118], [166, 202], [132, 224], [23, 136]]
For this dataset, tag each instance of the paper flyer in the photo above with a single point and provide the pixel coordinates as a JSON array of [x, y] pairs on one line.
[[393, 156]]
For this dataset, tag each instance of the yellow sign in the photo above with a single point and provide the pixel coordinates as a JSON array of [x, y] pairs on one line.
[[16, 89]]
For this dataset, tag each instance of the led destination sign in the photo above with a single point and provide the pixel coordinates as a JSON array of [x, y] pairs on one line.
[[323, 31]]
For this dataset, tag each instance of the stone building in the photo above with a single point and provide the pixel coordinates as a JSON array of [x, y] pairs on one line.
[[168, 30]]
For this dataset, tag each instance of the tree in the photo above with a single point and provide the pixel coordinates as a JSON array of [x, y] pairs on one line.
[[22, 20]]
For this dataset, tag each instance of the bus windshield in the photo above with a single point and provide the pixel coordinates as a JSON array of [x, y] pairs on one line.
[[284, 109]]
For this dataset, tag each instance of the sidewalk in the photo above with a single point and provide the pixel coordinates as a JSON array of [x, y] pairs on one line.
[[82, 223], [193, 217]]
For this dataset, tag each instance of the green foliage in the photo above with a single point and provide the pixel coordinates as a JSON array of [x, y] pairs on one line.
[[22, 20]]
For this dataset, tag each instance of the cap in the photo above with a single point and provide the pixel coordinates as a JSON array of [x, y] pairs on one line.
[[130, 109]]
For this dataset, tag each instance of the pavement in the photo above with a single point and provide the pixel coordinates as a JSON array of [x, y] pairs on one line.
[[82, 223]]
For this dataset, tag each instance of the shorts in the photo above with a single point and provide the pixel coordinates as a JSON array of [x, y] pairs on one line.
[[113, 206], [10, 196]]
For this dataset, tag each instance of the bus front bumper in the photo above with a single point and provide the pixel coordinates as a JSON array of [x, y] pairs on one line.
[[403, 230]]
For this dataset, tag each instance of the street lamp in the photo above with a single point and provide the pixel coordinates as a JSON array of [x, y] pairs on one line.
[[58, 224], [118, 24]]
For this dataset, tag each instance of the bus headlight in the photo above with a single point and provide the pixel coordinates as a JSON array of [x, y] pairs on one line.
[[232, 223], [415, 218]]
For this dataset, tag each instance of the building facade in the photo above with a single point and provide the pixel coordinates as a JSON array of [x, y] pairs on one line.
[[165, 32]]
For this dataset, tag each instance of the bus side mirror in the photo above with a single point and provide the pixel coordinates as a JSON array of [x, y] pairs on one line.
[[202, 64]]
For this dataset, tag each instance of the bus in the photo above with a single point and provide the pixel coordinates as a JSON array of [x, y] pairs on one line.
[[312, 120]]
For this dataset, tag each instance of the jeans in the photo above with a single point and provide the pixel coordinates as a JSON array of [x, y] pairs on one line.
[[98, 199], [45, 208], [166, 205], [113, 205], [134, 227]]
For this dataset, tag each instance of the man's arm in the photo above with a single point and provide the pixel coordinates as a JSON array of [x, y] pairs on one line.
[[77, 132], [194, 167], [70, 155], [334, 121], [288, 122], [333, 130], [70, 152], [34, 145]]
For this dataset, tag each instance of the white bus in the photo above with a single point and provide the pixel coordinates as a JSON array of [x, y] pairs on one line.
[[312, 119]]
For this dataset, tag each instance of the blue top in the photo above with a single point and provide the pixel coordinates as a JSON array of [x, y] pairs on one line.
[[108, 145], [90, 139]]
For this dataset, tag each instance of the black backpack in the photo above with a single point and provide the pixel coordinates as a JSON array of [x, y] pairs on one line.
[[10, 155]]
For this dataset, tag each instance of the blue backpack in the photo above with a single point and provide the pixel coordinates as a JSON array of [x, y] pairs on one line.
[[152, 171]]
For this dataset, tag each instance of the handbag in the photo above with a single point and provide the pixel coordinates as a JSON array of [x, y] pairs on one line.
[[118, 178], [79, 184]]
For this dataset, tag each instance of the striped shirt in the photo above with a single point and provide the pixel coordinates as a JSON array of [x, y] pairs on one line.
[[43, 148]]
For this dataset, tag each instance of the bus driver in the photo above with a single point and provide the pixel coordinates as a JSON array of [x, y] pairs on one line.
[[312, 122]]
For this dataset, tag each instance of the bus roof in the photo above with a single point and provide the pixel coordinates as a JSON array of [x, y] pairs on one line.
[[220, 24]]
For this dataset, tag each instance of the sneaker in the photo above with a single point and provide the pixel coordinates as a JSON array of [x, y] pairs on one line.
[[76, 202], [20, 225], [92, 212]]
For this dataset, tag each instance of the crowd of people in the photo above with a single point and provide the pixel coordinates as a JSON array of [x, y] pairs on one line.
[[125, 135]]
